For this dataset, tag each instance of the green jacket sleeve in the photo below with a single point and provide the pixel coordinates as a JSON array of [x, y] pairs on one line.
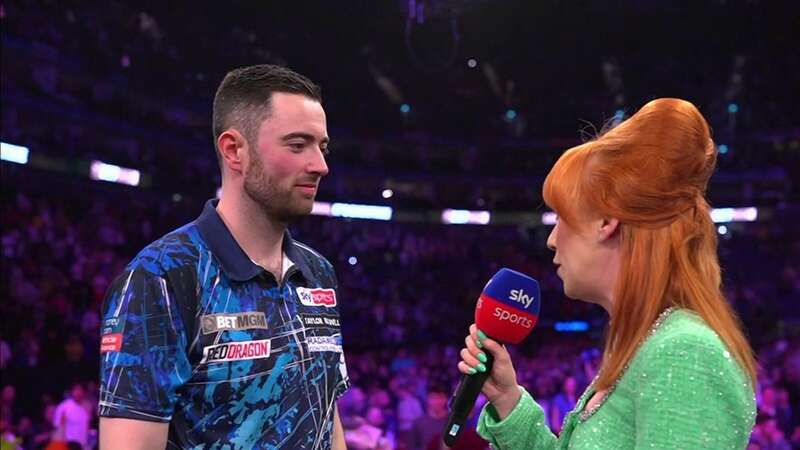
[[691, 394], [524, 428]]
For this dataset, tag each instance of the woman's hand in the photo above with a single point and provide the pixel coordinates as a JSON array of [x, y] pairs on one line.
[[500, 387]]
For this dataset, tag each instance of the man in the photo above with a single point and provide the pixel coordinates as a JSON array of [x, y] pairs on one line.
[[71, 419], [225, 332], [428, 428], [409, 409]]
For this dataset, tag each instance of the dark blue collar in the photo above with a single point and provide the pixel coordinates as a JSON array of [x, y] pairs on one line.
[[234, 261]]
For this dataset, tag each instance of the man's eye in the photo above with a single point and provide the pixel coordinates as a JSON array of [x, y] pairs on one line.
[[325, 151]]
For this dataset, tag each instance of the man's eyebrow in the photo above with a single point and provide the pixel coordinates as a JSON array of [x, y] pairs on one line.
[[304, 136]]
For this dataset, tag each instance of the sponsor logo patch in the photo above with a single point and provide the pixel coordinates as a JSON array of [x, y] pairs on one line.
[[236, 351], [113, 325], [324, 343], [317, 297], [239, 321], [319, 321], [110, 342]]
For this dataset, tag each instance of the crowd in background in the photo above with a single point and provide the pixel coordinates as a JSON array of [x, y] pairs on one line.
[[82, 87], [104, 80], [408, 293]]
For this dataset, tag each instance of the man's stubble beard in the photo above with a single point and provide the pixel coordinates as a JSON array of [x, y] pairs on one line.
[[266, 194]]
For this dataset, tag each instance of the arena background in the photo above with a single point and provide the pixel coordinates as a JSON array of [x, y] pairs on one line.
[[440, 112]]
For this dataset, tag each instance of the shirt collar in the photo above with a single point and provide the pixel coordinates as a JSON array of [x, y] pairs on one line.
[[233, 260]]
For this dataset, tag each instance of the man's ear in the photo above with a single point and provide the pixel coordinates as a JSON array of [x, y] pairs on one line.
[[232, 147]]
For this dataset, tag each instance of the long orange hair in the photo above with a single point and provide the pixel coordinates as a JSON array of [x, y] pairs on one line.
[[651, 173]]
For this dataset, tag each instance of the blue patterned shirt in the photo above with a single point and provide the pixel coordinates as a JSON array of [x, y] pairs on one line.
[[197, 335]]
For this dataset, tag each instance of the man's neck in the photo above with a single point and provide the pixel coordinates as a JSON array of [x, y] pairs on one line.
[[259, 236]]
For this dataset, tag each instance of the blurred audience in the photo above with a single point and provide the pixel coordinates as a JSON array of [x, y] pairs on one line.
[[409, 298]]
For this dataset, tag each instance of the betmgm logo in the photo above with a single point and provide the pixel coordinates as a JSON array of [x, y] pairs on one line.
[[212, 323]]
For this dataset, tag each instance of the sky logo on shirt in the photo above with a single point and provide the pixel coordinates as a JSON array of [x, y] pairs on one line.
[[317, 297]]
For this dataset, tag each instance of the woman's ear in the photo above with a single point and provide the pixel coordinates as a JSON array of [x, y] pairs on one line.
[[608, 229]]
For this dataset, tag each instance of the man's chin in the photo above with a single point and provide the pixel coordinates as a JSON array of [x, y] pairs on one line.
[[305, 211], [304, 206], [300, 209]]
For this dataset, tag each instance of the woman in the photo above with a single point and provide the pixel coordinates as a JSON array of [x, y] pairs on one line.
[[635, 236]]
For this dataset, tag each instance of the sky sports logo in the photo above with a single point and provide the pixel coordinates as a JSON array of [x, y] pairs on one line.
[[519, 296], [317, 297], [236, 351], [516, 319]]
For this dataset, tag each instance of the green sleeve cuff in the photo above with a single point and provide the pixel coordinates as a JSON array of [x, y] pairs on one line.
[[522, 427]]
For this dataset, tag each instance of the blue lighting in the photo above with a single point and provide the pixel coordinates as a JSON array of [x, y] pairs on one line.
[[511, 114], [405, 108], [723, 149], [733, 108], [356, 211], [572, 326]]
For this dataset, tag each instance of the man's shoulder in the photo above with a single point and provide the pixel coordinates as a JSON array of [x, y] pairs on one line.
[[178, 248]]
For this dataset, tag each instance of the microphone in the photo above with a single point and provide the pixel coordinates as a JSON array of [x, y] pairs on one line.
[[507, 311]]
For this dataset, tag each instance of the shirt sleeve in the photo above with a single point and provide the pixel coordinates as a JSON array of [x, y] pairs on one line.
[[343, 379], [143, 358], [523, 429], [692, 395], [343, 383]]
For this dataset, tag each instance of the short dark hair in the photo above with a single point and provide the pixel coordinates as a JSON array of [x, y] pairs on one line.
[[243, 99]]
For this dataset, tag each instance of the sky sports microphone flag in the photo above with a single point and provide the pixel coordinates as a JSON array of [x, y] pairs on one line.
[[507, 310], [508, 307]]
